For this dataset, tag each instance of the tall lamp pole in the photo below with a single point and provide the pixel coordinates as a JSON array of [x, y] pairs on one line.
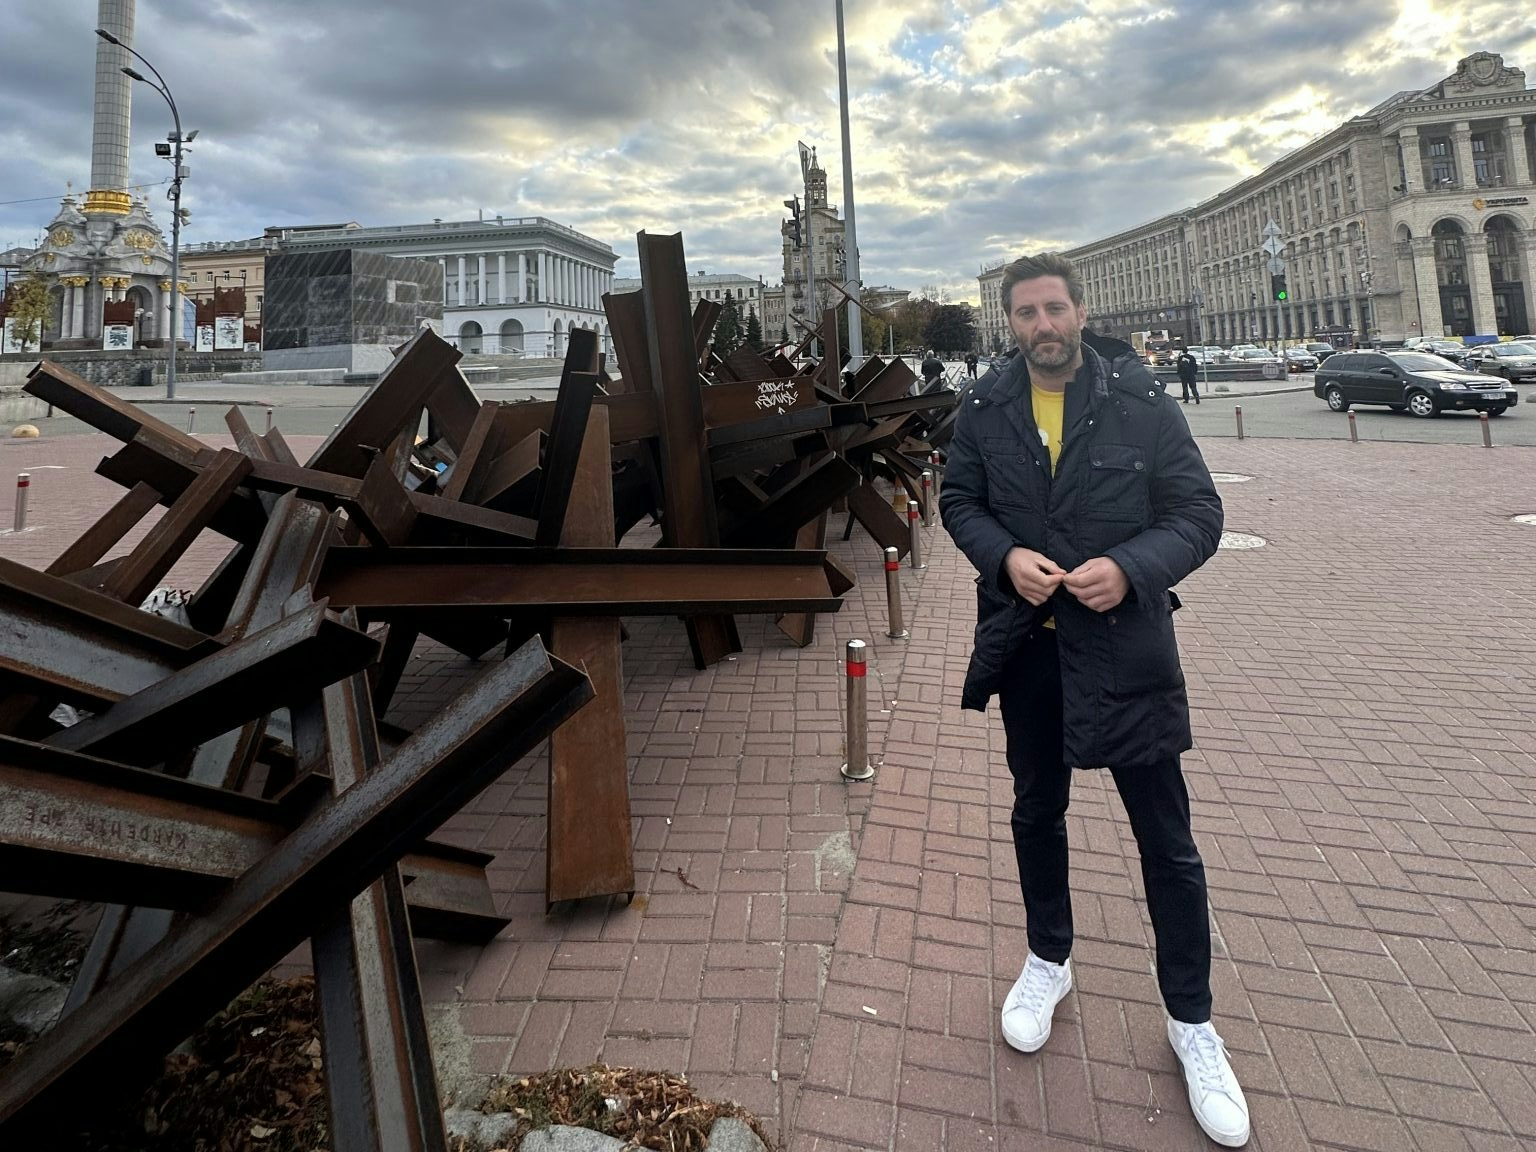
[[177, 140], [851, 273]]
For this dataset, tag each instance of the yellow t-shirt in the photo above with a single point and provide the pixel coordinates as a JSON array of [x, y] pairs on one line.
[[1049, 408]]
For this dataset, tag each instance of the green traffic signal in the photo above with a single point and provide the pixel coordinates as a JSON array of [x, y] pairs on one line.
[[1277, 289]]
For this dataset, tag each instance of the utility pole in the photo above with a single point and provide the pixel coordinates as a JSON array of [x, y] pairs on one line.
[[1276, 266], [853, 284]]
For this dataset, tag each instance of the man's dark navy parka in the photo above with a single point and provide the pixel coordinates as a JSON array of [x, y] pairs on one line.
[[1130, 484]]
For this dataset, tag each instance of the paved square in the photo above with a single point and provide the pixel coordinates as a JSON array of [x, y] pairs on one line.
[[834, 955]]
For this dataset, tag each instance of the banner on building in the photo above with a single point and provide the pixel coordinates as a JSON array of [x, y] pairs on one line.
[[204, 338], [116, 337], [229, 332]]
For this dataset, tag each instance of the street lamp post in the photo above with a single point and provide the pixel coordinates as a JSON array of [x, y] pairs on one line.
[[177, 140]]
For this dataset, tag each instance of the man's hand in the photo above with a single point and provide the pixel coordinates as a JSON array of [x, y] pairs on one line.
[[1098, 583], [1034, 576]]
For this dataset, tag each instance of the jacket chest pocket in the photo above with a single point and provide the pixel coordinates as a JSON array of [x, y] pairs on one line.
[[1013, 474], [1117, 482]]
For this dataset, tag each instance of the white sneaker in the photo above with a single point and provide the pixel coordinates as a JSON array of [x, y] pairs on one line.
[[1214, 1093], [1031, 1001]]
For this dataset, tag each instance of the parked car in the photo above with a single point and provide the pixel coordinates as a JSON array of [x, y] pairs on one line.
[[1298, 359], [1514, 361], [1415, 382], [1252, 355], [1321, 349]]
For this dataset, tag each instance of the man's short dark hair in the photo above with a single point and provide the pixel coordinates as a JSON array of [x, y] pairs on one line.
[[1034, 267]]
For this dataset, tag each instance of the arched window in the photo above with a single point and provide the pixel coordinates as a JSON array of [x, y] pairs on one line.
[[511, 336], [469, 338]]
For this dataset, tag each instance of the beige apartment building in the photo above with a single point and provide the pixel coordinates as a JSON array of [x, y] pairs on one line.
[[1414, 218]]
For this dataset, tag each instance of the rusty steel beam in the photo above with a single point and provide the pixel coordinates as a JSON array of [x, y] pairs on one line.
[[379, 1076], [170, 471], [404, 582], [474, 457], [247, 679], [626, 324], [171, 535], [77, 827], [687, 485], [434, 516], [332, 856], [383, 508], [102, 409], [590, 841], [387, 407], [100, 538], [568, 428], [452, 407], [889, 530]]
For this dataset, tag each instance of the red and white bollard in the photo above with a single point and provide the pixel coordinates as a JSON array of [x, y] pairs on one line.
[[269, 421], [191, 419], [915, 525], [23, 485], [928, 500], [1239, 421], [895, 629], [936, 466], [857, 766]]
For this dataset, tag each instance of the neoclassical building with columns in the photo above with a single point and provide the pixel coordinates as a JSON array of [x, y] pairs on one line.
[[510, 285], [1413, 218]]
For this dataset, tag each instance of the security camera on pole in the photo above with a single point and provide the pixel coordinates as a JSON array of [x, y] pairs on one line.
[[1278, 292]]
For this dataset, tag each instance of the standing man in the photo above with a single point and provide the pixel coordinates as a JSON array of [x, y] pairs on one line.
[[1074, 487], [1188, 370], [971, 360], [933, 371]]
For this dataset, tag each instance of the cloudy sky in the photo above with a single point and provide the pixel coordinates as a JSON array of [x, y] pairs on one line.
[[981, 128]]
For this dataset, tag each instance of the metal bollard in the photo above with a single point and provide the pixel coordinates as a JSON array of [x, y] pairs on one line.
[[857, 766], [896, 630], [1239, 421], [936, 466], [269, 421], [928, 500], [23, 485], [1487, 430], [915, 525], [1354, 433], [191, 418]]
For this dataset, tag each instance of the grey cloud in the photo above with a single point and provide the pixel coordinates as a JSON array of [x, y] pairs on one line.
[[617, 115]]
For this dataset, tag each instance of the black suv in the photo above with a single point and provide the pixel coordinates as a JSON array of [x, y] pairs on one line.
[[1408, 381]]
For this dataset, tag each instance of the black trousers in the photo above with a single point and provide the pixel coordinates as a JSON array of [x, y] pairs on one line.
[[1191, 387], [1157, 803]]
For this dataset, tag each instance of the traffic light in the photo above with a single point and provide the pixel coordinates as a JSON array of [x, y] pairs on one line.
[[1277, 289], [794, 230]]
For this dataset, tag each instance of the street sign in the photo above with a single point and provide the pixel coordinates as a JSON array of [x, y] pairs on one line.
[[1271, 229], [1275, 266], [1273, 246]]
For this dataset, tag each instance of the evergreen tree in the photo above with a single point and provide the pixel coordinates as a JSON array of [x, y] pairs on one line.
[[754, 331], [784, 334], [951, 328], [728, 328]]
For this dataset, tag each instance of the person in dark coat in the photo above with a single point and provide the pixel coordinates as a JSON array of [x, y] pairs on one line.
[[971, 360], [1189, 369], [1075, 488]]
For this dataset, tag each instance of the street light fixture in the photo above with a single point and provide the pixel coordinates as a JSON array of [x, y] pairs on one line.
[[177, 140]]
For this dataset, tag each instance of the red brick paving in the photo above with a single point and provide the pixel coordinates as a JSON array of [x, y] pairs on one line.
[[1363, 788]]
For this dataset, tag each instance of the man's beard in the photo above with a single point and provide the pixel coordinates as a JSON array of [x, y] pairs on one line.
[[1053, 356]]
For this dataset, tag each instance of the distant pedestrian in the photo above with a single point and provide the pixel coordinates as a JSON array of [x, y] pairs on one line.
[[933, 371], [1081, 499], [971, 360], [1189, 369]]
